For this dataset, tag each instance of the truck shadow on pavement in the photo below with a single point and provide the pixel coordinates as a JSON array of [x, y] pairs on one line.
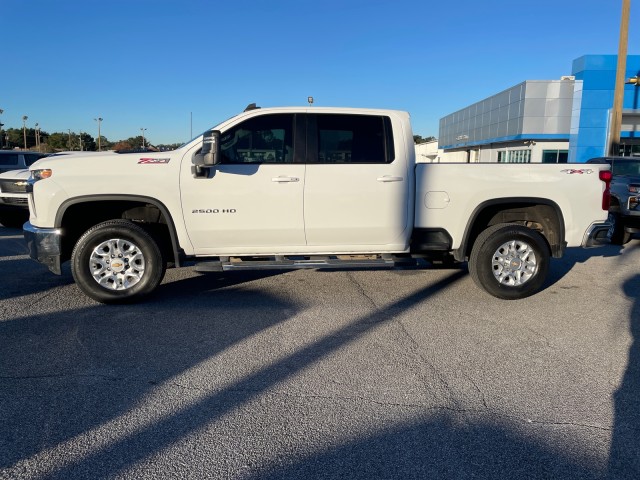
[[624, 454], [73, 379], [19, 274], [75, 373], [560, 267]]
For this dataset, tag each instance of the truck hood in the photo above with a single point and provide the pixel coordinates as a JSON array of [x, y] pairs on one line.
[[15, 175]]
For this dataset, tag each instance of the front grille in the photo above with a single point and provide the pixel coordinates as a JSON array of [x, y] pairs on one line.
[[15, 201], [13, 186]]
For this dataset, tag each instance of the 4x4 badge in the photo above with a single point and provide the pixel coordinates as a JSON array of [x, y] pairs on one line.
[[580, 171]]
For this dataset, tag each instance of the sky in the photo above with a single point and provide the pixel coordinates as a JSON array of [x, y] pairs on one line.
[[176, 68]]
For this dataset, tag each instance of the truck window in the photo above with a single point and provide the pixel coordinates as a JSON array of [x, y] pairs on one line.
[[263, 139], [354, 139], [9, 159]]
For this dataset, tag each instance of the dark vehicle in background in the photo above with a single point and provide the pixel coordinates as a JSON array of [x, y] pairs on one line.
[[624, 212], [18, 160]]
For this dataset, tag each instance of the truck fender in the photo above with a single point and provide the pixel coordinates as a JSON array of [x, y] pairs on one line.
[[132, 198], [497, 205]]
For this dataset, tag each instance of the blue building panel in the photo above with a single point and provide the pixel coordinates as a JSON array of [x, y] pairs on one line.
[[598, 75], [598, 80], [592, 137], [595, 62], [594, 118], [585, 153], [631, 96], [597, 99]]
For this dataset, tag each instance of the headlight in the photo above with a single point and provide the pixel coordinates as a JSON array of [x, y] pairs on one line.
[[634, 188], [41, 174]]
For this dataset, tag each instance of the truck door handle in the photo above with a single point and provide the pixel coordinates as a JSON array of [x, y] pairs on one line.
[[389, 178], [283, 179]]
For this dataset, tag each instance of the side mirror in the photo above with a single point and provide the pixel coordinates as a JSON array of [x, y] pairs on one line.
[[211, 147], [209, 156], [210, 153]]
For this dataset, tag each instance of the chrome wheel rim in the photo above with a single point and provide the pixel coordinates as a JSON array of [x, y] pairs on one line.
[[514, 263], [117, 264]]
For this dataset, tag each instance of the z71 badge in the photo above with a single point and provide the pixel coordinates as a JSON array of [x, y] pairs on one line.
[[153, 160]]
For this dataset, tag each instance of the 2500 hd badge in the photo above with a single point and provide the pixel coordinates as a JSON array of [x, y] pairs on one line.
[[214, 210]]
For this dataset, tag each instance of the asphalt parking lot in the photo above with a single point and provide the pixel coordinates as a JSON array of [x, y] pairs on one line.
[[322, 374]]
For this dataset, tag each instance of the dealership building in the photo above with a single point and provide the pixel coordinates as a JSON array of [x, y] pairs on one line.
[[546, 121]]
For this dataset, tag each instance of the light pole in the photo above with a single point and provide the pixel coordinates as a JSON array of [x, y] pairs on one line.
[[99, 120], [618, 95], [1, 125], [37, 135], [142, 130], [24, 130]]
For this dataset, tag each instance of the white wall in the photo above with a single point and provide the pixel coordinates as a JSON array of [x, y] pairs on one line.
[[429, 152]]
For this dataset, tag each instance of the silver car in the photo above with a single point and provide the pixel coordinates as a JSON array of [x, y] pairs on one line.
[[14, 204]]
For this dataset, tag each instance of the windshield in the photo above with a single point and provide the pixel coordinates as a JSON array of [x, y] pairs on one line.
[[202, 133]]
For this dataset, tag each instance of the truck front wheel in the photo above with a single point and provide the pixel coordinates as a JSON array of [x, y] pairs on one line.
[[117, 261], [509, 261]]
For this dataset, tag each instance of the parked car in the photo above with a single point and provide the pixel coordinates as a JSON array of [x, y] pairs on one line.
[[18, 160], [14, 189], [14, 204], [624, 212]]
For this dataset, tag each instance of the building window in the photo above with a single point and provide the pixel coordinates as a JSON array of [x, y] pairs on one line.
[[555, 156], [514, 156], [626, 149]]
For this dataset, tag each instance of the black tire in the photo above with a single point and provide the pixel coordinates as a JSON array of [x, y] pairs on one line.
[[117, 261], [14, 219], [616, 233], [526, 252]]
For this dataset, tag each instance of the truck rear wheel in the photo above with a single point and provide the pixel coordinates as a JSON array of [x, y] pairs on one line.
[[509, 261], [117, 261], [617, 234]]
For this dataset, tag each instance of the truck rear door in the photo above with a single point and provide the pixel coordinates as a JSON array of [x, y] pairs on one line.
[[356, 185]]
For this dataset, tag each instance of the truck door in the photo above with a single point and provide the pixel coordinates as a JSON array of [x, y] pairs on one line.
[[357, 183], [253, 199]]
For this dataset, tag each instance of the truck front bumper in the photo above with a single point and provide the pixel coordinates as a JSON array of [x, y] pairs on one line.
[[44, 245], [597, 234]]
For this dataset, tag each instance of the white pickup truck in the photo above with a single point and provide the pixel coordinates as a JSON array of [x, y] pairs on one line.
[[286, 188]]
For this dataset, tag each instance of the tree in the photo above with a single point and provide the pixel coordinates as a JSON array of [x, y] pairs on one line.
[[136, 142], [88, 143], [14, 137], [58, 141], [418, 139], [163, 147], [122, 145], [104, 143]]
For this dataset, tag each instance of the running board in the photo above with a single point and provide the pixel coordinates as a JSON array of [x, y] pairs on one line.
[[296, 262]]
